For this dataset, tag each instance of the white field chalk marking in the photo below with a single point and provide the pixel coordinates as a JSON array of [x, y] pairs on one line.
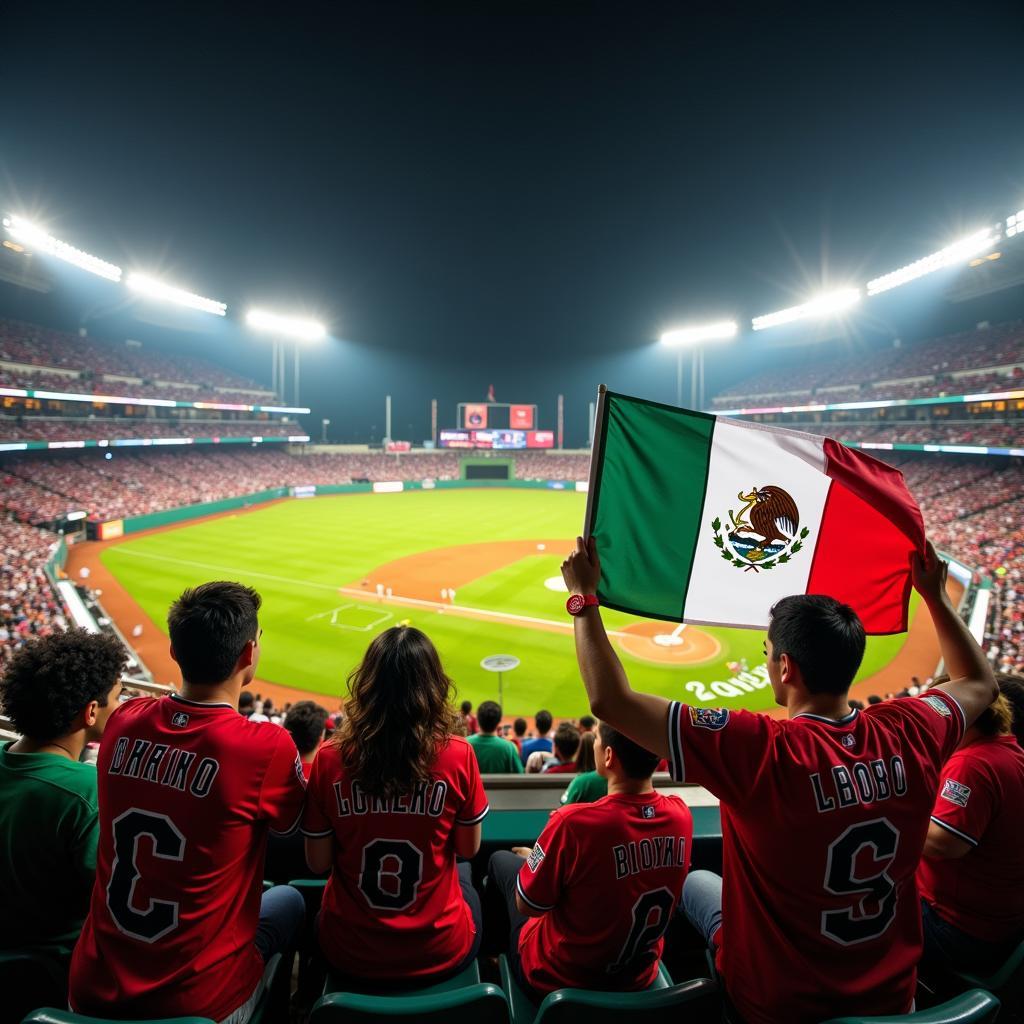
[[526, 620], [673, 639]]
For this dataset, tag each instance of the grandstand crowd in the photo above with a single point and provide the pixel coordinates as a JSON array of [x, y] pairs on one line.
[[986, 358]]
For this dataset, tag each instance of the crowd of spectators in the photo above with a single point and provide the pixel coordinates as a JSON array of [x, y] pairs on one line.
[[920, 370], [64, 428], [28, 606], [99, 367]]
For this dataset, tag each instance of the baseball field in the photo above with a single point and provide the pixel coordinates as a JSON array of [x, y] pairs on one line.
[[335, 571]]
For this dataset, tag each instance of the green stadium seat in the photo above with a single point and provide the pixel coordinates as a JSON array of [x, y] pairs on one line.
[[31, 978], [474, 1004], [695, 1002], [1007, 983], [974, 1007], [464, 979]]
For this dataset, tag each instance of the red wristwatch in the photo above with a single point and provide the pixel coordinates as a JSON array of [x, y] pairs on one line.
[[576, 603]]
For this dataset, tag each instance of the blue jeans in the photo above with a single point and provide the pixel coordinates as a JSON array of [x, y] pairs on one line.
[[702, 903], [282, 911], [946, 946]]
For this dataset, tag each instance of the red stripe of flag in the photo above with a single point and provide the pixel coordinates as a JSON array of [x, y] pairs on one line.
[[870, 529]]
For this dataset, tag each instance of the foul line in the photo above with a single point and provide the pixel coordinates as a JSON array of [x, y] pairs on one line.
[[511, 617]]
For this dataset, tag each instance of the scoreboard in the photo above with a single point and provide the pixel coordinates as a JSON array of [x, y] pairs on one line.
[[498, 426], [497, 440]]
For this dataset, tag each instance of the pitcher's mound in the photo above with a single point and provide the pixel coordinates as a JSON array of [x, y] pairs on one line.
[[650, 641]]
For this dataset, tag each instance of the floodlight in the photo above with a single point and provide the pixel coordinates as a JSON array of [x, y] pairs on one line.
[[31, 234], [1015, 224], [958, 252], [307, 330], [821, 306], [684, 336], [155, 289]]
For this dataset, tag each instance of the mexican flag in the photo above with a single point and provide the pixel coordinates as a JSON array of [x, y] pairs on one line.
[[707, 519]]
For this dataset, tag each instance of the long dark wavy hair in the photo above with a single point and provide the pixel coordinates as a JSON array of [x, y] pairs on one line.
[[398, 713]]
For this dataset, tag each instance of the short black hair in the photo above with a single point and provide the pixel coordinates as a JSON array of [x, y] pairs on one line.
[[587, 722], [488, 715], [567, 741], [823, 636], [50, 680], [519, 726], [210, 626], [306, 721], [246, 702], [467, 707], [874, 699], [637, 762], [543, 720]]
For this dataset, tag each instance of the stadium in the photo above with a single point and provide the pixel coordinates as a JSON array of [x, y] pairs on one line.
[[154, 439]]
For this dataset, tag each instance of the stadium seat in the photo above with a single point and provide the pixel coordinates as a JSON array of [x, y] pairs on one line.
[[695, 1002], [464, 979], [30, 978], [1007, 983], [475, 1004], [974, 1007]]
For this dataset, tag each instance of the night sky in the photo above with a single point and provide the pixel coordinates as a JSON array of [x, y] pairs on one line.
[[517, 194]]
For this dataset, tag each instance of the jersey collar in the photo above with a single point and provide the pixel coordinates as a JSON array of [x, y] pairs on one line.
[[200, 703], [841, 722]]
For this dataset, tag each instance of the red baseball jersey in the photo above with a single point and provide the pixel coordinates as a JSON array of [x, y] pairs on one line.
[[981, 800], [609, 874], [187, 792], [393, 906], [823, 823]]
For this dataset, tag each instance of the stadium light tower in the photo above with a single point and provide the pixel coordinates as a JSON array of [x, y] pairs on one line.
[[22, 230], [820, 306], [285, 327], [154, 289], [693, 338]]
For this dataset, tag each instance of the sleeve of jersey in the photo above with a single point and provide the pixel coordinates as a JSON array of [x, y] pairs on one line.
[[475, 807], [315, 822], [940, 719], [543, 874], [966, 799], [284, 788], [722, 750]]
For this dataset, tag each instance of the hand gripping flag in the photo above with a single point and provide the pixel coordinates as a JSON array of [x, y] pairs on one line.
[[707, 519]]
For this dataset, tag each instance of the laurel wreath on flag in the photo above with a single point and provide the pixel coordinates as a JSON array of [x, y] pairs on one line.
[[743, 563]]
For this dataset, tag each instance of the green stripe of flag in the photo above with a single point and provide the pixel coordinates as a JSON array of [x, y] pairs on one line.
[[652, 469]]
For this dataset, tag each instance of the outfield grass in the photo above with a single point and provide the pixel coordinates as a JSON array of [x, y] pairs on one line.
[[298, 553]]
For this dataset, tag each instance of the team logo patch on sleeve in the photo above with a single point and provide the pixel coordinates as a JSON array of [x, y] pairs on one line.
[[709, 718], [937, 704], [956, 792], [535, 858]]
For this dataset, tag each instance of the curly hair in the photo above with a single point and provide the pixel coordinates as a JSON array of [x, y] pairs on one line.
[[398, 713], [50, 680]]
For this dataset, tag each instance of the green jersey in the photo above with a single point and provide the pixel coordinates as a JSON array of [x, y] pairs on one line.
[[48, 831], [585, 789], [495, 755]]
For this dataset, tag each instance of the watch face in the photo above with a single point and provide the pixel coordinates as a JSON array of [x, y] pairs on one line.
[[575, 604]]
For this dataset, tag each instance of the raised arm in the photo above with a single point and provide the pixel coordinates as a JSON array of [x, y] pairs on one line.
[[641, 716], [972, 681]]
